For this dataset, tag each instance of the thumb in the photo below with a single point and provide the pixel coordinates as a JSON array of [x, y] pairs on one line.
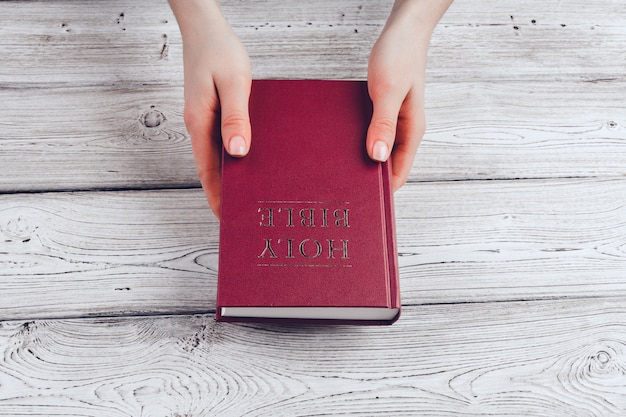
[[236, 132], [381, 133]]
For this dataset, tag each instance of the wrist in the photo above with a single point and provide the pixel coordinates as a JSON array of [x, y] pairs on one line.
[[421, 16], [195, 17]]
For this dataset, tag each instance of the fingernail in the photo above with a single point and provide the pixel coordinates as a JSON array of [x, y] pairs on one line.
[[380, 151], [237, 146]]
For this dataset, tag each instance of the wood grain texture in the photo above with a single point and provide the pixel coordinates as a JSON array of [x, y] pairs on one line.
[[514, 91], [565, 358], [68, 43], [489, 241], [522, 130], [511, 231], [94, 138], [113, 253], [113, 137], [151, 252]]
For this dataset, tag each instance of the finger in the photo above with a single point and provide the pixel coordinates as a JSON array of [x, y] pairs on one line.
[[381, 133], [236, 133], [409, 133], [203, 128]]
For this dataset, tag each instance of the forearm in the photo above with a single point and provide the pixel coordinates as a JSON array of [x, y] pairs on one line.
[[217, 89], [421, 15], [395, 79], [195, 17], [407, 33]]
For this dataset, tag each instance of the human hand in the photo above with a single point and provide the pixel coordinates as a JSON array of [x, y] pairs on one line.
[[217, 88], [395, 79]]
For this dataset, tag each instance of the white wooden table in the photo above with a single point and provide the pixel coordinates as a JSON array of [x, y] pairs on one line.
[[511, 230]]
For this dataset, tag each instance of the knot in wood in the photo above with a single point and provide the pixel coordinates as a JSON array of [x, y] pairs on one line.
[[18, 228], [602, 358], [608, 362], [153, 118]]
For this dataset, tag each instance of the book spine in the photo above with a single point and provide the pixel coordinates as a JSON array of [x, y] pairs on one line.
[[387, 204]]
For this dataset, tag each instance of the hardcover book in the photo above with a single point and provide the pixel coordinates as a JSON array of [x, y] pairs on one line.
[[307, 229]]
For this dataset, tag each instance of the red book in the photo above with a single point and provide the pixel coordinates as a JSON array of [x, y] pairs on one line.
[[307, 225]]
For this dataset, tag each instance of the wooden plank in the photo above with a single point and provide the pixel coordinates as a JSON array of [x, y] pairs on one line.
[[97, 137], [522, 130], [87, 43], [130, 43], [79, 123], [530, 41], [155, 252], [532, 90], [544, 359], [110, 253], [489, 241], [86, 138]]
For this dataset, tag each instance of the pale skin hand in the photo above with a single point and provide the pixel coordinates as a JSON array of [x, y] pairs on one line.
[[395, 80], [218, 77], [217, 87]]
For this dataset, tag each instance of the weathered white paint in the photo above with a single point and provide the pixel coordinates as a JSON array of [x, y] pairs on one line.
[[511, 232]]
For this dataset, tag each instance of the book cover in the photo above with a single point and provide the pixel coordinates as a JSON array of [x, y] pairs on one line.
[[307, 228]]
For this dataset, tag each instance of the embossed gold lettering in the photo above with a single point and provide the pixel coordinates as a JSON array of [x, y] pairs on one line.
[[269, 217], [324, 217], [290, 218], [341, 216], [306, 248], [289, 247], [318, 247], [344, 249], [307, 217], [268, 248]]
